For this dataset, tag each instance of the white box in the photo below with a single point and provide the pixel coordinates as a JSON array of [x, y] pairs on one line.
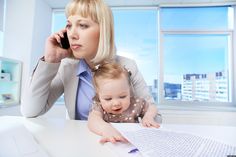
[[5, 76]]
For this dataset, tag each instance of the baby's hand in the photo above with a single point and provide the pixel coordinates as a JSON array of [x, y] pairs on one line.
[[149, 122], [112, 135]]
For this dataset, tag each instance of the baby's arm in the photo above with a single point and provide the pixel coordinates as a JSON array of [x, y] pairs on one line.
[[149, 117], [97, 125]]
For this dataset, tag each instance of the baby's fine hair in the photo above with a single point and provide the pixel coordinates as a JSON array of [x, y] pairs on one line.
[[109, 71]]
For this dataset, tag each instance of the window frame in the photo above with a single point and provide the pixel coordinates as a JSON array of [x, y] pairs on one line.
[[161, 70], [192, 105]]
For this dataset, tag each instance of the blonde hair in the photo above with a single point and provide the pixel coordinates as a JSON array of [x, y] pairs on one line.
[[99, 12]]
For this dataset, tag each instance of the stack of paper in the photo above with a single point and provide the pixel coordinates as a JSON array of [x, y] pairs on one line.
[[18, 142], [153, 142]]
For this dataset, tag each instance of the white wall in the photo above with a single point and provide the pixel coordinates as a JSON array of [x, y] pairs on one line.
[[41, 30], [1, 25], [27, 24], [1, 14], [234, 50]]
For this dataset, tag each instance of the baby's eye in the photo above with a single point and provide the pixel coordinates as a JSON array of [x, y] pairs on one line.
[[108, 99], [122, 97]]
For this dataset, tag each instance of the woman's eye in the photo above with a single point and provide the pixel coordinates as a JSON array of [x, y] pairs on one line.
[[68, 26], [83, 26]]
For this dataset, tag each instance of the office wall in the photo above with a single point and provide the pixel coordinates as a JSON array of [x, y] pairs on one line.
[[1, 14], [41, 30], [27, 25], [18, 31], [234, 50]]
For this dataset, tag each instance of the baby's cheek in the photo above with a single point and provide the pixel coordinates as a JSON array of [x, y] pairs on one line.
[[107, 106]]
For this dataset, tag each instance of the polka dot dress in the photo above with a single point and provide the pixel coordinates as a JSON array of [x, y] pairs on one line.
[[137, 108]]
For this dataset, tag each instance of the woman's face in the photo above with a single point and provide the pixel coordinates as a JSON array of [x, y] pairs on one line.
[[83, 34]]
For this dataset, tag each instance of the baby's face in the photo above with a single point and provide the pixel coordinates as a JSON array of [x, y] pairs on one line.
[[114, 94]]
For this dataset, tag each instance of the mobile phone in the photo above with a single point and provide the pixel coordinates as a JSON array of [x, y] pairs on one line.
[[65, 41]]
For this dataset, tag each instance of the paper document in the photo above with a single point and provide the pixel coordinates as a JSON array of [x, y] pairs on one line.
[[152, 142], [18, 142]]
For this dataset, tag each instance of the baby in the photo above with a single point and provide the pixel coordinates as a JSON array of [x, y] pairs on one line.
[[114, 102]]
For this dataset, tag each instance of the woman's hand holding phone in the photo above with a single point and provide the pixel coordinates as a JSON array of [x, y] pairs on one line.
[[55, 47]]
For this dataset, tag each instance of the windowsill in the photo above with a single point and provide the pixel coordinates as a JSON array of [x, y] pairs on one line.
[[200, 115], [198, 108], [8, 105]]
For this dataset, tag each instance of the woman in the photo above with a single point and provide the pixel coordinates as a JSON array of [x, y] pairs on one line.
[[90, 32]]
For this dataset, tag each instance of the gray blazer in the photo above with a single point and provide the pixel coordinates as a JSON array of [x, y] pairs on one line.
[[50, 80]]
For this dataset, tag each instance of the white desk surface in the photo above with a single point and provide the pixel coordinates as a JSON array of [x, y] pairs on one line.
[[62, 138]]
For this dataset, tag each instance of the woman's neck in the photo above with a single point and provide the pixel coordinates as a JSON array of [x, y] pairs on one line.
[[90, 64]]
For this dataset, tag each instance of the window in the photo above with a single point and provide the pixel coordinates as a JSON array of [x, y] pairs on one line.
[[58, 20], [136, 38], [196, 18], [196, 61], [196, 52], [58, 23], [185, 54]]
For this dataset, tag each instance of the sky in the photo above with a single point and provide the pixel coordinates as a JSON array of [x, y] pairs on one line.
[[195, 53]]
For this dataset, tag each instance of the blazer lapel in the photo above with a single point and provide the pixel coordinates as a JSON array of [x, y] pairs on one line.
[[70, 87]]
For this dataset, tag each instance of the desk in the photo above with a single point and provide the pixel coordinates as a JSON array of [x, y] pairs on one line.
[[62, 138]]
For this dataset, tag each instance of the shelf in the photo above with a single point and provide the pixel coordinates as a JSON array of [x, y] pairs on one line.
[[10, 82]]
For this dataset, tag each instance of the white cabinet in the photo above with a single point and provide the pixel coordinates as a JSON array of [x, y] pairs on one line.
[[10, 82]]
